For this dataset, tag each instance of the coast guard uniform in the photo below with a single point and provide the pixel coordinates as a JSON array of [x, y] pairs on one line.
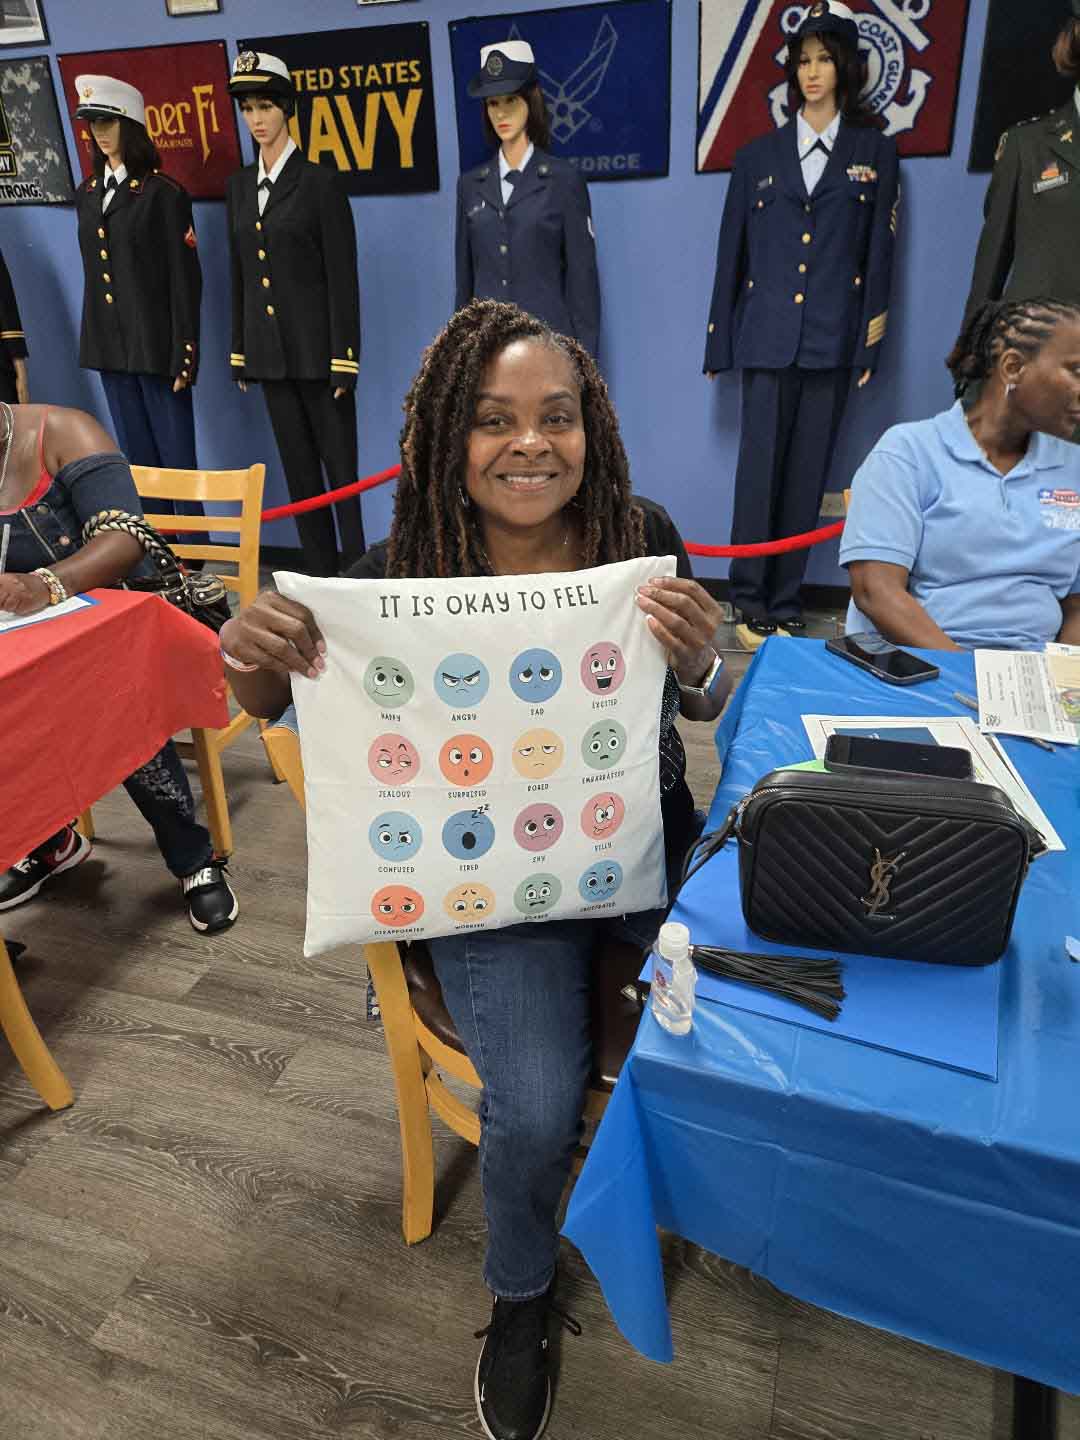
[[12, 336]]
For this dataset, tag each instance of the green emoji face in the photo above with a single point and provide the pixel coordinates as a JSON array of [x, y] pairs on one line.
[[389, 682], [604, 744], [537, 894]]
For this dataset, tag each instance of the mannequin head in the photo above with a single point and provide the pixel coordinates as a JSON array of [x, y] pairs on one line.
[[1066, 51], [827, 60], [265, 118], [117, 141], [524, 111], [1024, 357]]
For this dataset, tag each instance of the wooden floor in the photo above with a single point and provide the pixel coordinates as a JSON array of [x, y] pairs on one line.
[[207, 1246]]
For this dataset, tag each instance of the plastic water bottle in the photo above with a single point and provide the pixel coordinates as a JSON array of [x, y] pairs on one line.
[[673, 979]]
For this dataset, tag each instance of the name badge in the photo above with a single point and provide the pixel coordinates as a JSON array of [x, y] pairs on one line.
[[1052, 178]]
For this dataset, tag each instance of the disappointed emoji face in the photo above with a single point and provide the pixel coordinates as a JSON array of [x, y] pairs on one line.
[[535, 676], [538, 827], [397, 905], [393, 760], [389, 682], [537, 754], [462, 681], [603, 745], [468, 834], [466, 904], [466, 760], [395, 836], [538, 894], [600, 882], [603, 668], [602, 815]]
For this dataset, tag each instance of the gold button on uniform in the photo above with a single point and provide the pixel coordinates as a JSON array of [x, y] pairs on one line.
[[349, 353], [862, 199], [711, 328], [807, 207], [108, 299], [266, 283], [761, 204], [104, 254], [799, 298], [269, 310], [258, 224], [749, 284], [107, 278], [101, 233], [802, 269], [858, 281], [189, 346], [262, 254], [807, 237]]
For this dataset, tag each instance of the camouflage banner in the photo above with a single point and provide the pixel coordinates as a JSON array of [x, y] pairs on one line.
[[34, 165]]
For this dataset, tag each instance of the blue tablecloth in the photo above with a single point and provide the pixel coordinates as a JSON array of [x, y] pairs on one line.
[[929, 1202]]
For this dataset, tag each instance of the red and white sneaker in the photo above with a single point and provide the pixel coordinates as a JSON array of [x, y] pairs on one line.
[[62, 852]]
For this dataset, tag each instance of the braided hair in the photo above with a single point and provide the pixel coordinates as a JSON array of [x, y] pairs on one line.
[[997, 326], [434, 533]]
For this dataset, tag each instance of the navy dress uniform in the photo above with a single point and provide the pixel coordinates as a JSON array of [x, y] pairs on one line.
[[800, 299], [12, 336], [296, 317], [528, 239]]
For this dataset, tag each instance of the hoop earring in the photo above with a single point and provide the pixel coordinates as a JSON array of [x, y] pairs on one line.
[[463, 495]]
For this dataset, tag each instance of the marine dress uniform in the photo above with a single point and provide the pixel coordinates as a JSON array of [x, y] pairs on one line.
[[12, 336]]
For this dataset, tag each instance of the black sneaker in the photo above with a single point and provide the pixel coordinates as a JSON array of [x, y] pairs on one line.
[[513, 1380], [62, 852], [211, 903]]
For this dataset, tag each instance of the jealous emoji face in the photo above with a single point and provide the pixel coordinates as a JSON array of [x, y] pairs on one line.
[[538, 827], [603, 745], [538, 894], [393, 760], [397, 905], [535, 676], [538, 754], [389, 682], [603, 668], [600, 882], [466, 760], [468, 834], [462, 681], [602, 815], [395, 836], [466, 904]]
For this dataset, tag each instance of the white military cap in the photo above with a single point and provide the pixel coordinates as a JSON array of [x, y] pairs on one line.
[[100, 97]]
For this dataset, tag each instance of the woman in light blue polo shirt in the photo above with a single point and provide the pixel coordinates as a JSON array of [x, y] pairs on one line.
[[964, 530]]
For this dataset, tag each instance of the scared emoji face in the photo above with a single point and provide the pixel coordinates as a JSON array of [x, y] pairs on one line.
[[462, 681], [466, 760], [538, 894], [537, 754], [600, 882], [602, 815], [393, 760], [538, 827], [603, 745], [603, 668], [468, 834], [466, 904], [397, 905], [395, 836], [535, 676], [389, 682]]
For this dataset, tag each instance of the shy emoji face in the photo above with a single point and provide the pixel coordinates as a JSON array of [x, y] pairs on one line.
[[537, 894], [603, 668], [604, 744], [535, 676], [602, 815], [462, 681], [397, 905], [393, 760], [538, 827], [467, 835], [466, 904], [395, 836], [466, 760], [538, 753], [600, 882], [389, 682]]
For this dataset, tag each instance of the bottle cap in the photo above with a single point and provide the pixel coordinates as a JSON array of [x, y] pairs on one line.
[[674, 941]]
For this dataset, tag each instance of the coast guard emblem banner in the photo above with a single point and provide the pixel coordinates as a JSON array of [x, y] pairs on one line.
[[605, 71], [480, 753], [913, 53]]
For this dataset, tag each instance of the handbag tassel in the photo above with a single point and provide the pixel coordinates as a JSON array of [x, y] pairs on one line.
[[814, 984]]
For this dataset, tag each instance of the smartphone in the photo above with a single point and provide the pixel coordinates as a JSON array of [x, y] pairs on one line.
[[871, 652], [903, 757]]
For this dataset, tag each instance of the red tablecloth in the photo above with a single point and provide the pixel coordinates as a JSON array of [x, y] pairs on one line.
[[87, 698]]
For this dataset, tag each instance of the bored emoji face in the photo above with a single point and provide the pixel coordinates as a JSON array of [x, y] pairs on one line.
[[389, 682], [466, 904], [538, 754], [397, 905], [393, 760], [466, 760]]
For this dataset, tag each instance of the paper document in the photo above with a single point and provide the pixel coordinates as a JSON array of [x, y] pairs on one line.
[[988, 761], [1017, 696], [1063, 662], [66, 607]]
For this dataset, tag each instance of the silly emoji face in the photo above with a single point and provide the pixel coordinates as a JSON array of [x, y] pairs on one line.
[[538, 754], [466, 760], [603, 668], [538, 894], [466, 904], [462, 681], [397, 905], [538, 827], [600, 882], [535, 676], [602, 815], [389, 682], [395, 836], [468, 834], [603, 745], [393, 760]]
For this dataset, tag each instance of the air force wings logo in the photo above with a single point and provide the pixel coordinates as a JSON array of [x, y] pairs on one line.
[[568, 100]]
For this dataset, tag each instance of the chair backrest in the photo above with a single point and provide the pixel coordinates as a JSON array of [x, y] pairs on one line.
[[283, 746], [216, 487]]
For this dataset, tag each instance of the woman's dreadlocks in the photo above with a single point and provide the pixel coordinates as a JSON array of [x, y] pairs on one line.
[[997, 326]]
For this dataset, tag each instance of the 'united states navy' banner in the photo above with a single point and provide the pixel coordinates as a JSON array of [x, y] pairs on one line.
[[605, 71], [912, 49]]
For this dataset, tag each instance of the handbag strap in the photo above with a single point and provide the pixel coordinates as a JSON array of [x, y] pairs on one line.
[[161, 554]]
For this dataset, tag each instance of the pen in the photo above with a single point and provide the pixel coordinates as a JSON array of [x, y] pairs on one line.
[[973, 704]]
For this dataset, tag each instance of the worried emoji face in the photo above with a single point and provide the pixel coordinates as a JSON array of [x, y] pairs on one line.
[[537, 754], [603, 668], [535, 676], [600, 882], [468, 834], [389, 682], [538, 894], [393, 760], [538, 827], [397, 905], [462, 681], [603, 745], [602, 815], [466, 760], [395, 836], [466, 904]]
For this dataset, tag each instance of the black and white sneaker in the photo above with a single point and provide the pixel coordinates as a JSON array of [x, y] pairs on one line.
[[513, 1375], [211, 903], [62, 851]]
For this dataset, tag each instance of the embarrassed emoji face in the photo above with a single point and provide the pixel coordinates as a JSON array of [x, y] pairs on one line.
[[602, 815], [389, 682], [603, 745], [397, 905], [462, 681], [468, 834], [535, 676], [600, 882], [466, 904], [537, 754], [538, 894], [603, 668], [395, 836], [466, 760], [538, 827], [393, 760]]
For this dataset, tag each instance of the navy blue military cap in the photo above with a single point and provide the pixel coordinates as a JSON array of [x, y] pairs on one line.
[[505, 69], [833, 18]]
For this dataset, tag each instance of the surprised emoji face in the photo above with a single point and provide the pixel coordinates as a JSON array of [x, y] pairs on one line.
[[466, 760]]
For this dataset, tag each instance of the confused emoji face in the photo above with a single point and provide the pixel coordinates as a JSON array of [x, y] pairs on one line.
[[395, 836]]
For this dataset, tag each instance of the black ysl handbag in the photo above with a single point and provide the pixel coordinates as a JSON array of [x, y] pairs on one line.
[[202, 596], [881, 865]]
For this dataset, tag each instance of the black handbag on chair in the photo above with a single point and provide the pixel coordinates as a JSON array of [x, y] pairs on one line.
[[202, 596]]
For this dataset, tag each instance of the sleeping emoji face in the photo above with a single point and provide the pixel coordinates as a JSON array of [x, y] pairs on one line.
[[535, 676], [538, 827], [602, 815], [393, 760], [397, 905], [468, 834], [395, 836], [389, 682], [603, 668], [462, 681], [600, 882], [538, 894], [466, 904], [538, 754], [466, 760], [604, 744]]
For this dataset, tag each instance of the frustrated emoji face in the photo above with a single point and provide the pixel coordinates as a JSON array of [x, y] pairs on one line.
[[603, 668], [469, 903], [397, 905], [395, 835], [538, 827], [468, 834], [535, 676], [538, 894], [393, 760], [600, 882], [389, 682], [466, 760], [462, 681], [537, 754], [602, 815], [603, 745]]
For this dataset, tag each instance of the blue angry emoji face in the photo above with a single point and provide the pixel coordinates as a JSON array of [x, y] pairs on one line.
[[462, 681]]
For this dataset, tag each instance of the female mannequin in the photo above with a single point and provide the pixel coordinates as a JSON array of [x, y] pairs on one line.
[[14, 385]]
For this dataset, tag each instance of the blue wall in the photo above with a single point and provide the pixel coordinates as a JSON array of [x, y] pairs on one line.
[[657, 242]]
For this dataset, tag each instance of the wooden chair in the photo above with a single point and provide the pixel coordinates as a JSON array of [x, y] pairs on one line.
[[423, 1045], [25, 1040]]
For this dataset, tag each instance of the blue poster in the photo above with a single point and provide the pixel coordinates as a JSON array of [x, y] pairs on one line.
[[605, 71]]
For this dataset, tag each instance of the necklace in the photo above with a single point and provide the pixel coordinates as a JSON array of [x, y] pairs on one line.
[[480, 544], [9, 436]]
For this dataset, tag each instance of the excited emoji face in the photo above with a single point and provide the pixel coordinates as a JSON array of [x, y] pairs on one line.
[[395, 836], [537, 754], [603, 668], [600, 882], [389, 682], [538, 894], [466, 760], [462, 681], [393, 760], [538, 827], [535, 676], [602, 815], [466, 904], [397, 905], [603, 745]]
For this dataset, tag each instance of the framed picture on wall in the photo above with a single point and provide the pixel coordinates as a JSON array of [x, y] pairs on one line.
[[22, 22], [192, 7]]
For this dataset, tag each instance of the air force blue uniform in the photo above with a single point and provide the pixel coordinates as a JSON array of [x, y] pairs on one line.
[[537, 251]]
